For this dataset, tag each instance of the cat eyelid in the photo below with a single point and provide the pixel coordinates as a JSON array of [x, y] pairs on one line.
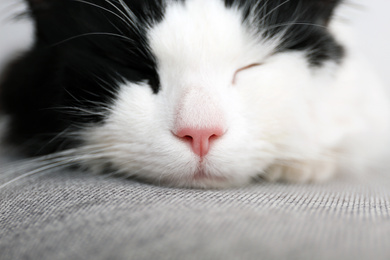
[[244, 68]]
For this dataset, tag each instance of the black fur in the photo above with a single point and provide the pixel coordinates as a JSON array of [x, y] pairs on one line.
[[305, 23], [79, 58], [83, 51]]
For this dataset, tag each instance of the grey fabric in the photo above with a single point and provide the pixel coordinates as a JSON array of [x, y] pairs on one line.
[[75, 215]]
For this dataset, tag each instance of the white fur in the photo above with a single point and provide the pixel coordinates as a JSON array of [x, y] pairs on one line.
[[283, 119]]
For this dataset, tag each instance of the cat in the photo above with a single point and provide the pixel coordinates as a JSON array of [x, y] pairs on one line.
[[194, 93]]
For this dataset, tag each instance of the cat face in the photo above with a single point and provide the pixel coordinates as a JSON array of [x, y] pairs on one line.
[[200, 93]]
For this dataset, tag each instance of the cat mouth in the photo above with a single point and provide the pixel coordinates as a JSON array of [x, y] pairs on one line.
[[202, 174]]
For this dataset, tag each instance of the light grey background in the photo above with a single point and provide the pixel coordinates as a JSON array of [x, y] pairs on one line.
[[368, 19], [15, 33]]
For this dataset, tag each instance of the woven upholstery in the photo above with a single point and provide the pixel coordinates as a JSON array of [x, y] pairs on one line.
[[77, 215]]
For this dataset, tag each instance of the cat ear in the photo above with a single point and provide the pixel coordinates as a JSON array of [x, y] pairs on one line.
[[325, 10], [38, 8], [39, 4]]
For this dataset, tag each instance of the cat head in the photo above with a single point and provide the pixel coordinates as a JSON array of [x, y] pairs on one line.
[[181, 92]]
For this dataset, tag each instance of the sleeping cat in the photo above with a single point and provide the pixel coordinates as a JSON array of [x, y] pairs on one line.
[[194, 93]]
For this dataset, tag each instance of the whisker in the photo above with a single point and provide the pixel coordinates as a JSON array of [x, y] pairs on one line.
[[130, 14], [80, 111], [36, 171], [107, 10], [263, 19], [294, 23], [92, 33], [132, 19]]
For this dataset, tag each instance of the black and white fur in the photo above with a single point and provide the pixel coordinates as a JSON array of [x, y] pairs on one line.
[[194, 93]]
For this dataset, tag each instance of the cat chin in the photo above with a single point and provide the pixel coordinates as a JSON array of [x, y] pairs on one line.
[[197, 176]]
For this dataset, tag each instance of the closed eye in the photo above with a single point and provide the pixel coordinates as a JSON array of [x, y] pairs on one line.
[[244, 68]]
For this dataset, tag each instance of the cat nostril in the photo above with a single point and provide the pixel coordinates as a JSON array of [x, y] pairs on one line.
[[188, 138], [200, 139], [214, 136]]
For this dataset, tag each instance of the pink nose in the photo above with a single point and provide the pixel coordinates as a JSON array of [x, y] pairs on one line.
[[200, 138]]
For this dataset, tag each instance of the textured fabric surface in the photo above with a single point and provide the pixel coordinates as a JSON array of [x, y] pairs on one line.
[[76, 215]]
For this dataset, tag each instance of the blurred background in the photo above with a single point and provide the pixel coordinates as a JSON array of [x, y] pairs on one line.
[[15, 32], [369, 20]]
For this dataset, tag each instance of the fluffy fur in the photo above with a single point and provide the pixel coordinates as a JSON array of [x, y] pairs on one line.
[[112, 84]]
